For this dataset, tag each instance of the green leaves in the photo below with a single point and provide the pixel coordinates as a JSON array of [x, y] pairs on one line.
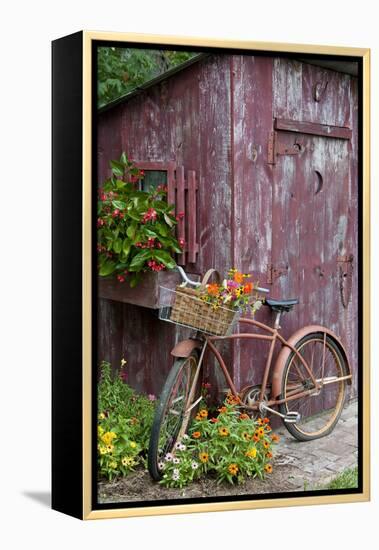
[[164, 258], [127, 239], [118, 168], [139, 259], [107, 268]]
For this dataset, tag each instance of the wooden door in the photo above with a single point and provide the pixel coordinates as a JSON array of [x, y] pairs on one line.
[[313, 242]]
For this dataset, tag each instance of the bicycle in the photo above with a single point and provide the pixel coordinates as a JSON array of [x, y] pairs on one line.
[[307, 390]]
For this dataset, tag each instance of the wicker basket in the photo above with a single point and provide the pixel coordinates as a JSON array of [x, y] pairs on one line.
[[188, 309]]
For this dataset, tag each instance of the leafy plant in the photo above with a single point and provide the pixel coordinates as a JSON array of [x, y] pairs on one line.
[[135, 228], [231, 446], [124, 424], [121, 70]]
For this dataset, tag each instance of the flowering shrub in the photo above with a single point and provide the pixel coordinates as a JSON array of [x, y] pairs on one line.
[[231, 445], [234, 292], [134, 227], [124, 424]]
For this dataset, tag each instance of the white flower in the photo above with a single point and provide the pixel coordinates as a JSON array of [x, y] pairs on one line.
[[161, 465], [194, 465], [175, 477], [225, 283], [182, 447], [168, 457], [176, 471], [178, 445], [176, 460]]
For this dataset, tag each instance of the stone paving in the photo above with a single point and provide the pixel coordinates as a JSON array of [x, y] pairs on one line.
[[323, 459]]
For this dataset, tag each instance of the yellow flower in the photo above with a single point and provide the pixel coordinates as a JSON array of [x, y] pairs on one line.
[[203, 413], [103, 450], [268, 468], [100, 430], [110, 448], [113, 465], [252, 453], [233, 469], [108, 437], [133, 444], [223, 431], [128, 461], [204, 457], [101, 416]]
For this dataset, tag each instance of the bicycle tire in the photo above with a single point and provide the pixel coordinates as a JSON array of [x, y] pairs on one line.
[[302, 430], [155, 452]]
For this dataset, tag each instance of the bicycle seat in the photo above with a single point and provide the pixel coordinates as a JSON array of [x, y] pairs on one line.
[[281, 305]]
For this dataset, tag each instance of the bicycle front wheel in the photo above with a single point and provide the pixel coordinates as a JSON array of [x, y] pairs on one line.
[[319, 410], [174, 411]]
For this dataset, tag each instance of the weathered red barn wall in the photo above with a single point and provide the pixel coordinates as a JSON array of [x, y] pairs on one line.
[[215, 117]]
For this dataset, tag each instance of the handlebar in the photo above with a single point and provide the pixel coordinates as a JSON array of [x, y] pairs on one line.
[[197, 283]]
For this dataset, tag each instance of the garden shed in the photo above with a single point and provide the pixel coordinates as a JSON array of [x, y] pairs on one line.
[[261, 154]]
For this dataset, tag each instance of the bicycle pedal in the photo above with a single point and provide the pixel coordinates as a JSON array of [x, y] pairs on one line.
[[292, 417]]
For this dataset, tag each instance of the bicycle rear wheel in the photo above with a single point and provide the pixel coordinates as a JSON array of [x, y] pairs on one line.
[[173, 412], [319, 410]]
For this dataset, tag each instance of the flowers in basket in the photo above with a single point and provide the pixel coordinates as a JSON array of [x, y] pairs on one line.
[[235, 293]]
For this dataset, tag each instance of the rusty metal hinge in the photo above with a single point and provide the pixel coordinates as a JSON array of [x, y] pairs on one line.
[[345, 268], [275, 148], [274, 272]]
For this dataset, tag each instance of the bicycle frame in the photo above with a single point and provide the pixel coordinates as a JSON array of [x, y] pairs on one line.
[[273, 337]]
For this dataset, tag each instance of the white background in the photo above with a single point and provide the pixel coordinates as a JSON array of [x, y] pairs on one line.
[[26, 31]]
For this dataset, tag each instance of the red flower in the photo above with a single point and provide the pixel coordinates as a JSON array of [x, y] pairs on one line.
[[121, 278]]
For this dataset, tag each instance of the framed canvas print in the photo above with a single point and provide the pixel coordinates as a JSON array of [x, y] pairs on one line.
[[210, 275]]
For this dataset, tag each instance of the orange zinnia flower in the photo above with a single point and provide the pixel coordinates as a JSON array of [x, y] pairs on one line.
[[268, 468], [203, 457], [196, 435], [266, 420], [214, 420], [261, 432], [203, 413], [244, 416], [213, 289], [238, 277], [260, 421], [248, 287], [269, 454], [223, 431], [222, 410], [255, 437], [198, 417], [233, 469], [266, 444], [275, 438]]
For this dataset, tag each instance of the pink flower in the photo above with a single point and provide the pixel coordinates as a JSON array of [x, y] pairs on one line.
[[150, 215], [151, 397], [181, 242]]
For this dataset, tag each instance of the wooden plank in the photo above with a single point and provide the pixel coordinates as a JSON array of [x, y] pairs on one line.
[[180, 207], [192, 218], [145, 294], [313, 128]]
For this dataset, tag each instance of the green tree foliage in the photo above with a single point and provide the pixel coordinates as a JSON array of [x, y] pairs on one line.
[[121, 70]]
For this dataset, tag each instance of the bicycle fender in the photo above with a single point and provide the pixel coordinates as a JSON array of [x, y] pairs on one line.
[[285, 352], [185, 348]]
